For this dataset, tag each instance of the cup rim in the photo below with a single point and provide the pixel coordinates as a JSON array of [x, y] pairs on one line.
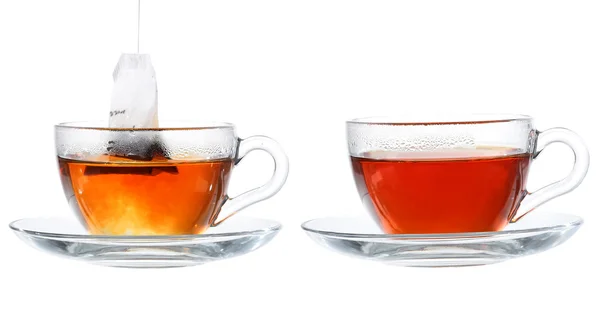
[[440, 119], [169, 125]]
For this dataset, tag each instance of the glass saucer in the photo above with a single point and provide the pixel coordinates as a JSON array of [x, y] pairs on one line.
[[66, 237], [360, 237]]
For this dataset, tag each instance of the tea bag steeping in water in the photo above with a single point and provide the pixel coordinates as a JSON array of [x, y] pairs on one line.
[[134, 104]]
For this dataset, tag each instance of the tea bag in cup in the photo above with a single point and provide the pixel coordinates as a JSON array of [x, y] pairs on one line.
[[134, 104]]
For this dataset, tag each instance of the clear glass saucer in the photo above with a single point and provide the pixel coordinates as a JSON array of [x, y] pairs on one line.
[[360, 237], [67, 238]]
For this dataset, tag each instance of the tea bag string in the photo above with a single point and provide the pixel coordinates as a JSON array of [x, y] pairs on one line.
[[138, 32]]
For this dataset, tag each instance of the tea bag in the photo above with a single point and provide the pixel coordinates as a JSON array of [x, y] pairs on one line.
[[134, 104], [134, 101]]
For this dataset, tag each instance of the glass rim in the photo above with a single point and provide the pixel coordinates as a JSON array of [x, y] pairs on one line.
[[440, 119], [169, 125]]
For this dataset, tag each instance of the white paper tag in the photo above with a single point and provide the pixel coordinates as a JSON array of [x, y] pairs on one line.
[[134, 101]]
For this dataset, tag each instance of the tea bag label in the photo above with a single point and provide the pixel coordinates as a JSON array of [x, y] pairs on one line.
[[134, 101]]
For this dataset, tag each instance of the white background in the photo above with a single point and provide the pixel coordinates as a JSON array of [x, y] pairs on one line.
[[295, 70]]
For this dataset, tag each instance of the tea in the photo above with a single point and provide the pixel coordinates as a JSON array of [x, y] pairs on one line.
[[454, 191], [120, 196]]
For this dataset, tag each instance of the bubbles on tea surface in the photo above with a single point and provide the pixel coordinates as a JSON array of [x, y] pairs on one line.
[[423, 143], [197, 153], [419, 138]]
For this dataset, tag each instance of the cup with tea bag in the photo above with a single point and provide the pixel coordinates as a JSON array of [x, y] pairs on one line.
[[137, 176]]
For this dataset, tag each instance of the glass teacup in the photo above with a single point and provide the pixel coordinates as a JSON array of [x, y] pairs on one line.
[[453, 174], [170, 180]]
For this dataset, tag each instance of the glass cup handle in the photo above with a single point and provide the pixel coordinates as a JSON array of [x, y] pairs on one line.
[[234, 205], [580, 168]]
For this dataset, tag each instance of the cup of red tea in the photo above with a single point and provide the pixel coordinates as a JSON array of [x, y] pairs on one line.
[[453, 174], [170, 180]]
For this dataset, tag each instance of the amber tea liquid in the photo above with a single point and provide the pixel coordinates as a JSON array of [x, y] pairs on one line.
[[454, 191], [119, 196]]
